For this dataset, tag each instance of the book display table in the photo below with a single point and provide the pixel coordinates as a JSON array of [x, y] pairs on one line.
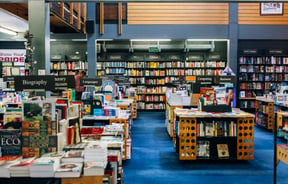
[[264, 116], [199, 134]]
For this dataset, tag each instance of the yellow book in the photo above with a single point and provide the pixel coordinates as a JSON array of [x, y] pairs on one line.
[[215, 129], [229, 129]]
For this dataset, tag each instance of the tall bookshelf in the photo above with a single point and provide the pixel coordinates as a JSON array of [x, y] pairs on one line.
[[154, 73], [262, 66], [67, 65]]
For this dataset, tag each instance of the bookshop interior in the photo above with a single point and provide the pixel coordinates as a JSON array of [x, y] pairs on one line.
[[137, 92]]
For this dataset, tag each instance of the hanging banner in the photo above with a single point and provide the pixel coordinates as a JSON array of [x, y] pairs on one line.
[[15, 56]]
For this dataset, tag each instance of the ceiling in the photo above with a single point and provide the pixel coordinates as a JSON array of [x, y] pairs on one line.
[[12, 22], [14, 16]]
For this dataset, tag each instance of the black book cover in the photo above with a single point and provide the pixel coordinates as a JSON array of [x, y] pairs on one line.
[[10, 141]]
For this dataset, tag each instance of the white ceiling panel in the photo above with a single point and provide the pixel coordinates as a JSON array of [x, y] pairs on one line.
[[12, 22]]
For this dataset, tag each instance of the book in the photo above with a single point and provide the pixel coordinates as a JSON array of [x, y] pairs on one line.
[[22, 168], [69, 170], [5, 163], [58, 154], [223, 151], [203, 149], [209, 129], [94, 168], [73, 156], [10, 141], [38, 138], [44, 167]]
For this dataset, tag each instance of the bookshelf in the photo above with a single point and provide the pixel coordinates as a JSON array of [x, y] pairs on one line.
[[197, 137], [264, 113], [154, 73], [262, 66], [67, 65]]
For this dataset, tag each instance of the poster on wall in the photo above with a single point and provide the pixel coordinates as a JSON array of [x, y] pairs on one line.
[[15, 56], [272, 8]]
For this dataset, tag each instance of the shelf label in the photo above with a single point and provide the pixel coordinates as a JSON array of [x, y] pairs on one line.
[[250, 51], [154, 57], [56, 57], [194, 57], [174, 57], [275, 51], [116, 57], [136, 58], [191, 78], [8, 79], [46, 83], [64, 82], [75, 57], [214, 57], [225, 79], [204, 80], [153, 49], [91, 82]]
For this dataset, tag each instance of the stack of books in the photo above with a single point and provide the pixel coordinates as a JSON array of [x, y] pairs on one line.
[[95, 159], [44, 167], [22, 168], [5, 163]]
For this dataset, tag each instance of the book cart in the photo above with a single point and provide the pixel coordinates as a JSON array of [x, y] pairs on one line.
[[240, 145], [264, 112]]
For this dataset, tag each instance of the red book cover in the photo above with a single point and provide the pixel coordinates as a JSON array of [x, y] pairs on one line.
[[71, 134]]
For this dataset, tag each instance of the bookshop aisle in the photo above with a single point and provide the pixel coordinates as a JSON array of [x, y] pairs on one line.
[[155, 161]]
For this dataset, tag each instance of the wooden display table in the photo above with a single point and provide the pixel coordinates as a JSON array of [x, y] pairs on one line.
[[264, 116], [240, 143], [83, 180]]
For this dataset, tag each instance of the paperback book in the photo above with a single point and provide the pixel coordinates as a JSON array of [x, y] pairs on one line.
[[69, 170]]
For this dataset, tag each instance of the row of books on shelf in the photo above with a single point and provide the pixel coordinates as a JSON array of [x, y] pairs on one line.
[[116, 64], [150, 106], [261, 120], [151, 98], [262, 69], [156, 89], [257, 85], [263, 109], [263, 60], [166, 64], [60, 73], [213, 64], [215, 129], [69, 65], [202, 72], [203, 150], [13, 71], [250, 77], [155, 81], [114, 70], [250, 93]]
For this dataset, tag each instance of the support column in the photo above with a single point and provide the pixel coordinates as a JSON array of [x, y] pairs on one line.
[[39, 27], [233, 47], [91, 45], [233, 37]]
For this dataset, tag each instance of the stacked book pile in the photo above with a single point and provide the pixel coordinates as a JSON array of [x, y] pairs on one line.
[[22, 168], [95, 159], [44, 167], [5, 163]]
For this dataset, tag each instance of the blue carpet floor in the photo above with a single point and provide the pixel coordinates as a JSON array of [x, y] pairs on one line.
[[154, 160]]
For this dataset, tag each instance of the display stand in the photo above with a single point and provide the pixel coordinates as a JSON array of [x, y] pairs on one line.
[[264, 113], [241, 145], [83, 180]]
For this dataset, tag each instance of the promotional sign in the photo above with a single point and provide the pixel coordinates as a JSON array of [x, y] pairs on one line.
[[15, 56], [46, 83], [91, 82]]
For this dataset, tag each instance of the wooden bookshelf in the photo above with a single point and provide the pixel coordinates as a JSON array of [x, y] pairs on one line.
[[264, 116], [240, 143]]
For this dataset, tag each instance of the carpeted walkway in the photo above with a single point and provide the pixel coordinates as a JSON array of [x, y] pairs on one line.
[[154, 159]]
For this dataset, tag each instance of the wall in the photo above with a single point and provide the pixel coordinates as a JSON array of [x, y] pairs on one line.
[[178, 13]]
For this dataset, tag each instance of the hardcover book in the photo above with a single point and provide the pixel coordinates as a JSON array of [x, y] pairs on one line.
[[69, 170], [39, 137], [223, 151], [73, 156], [10, 141]]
